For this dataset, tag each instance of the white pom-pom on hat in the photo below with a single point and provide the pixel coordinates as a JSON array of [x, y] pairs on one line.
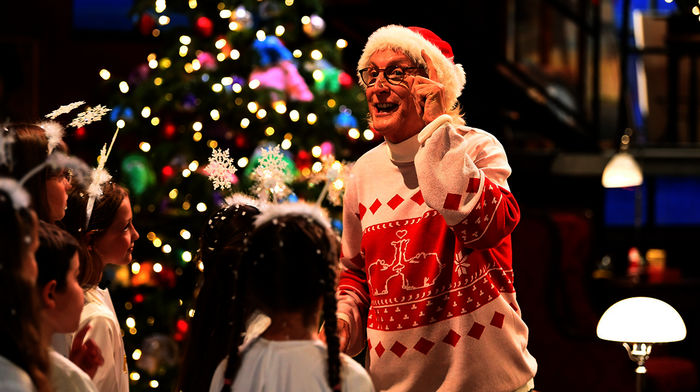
[[411, 40]]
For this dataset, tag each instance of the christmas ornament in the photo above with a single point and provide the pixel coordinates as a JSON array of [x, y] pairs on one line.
[[168, 130], [271, 169], [137, 173], [207, 60], [334, 175], [242, 17], [146, 23], [221, 170], [271, 51], [315, 27], [240, 141], [329, 82], [204, 26], [120, 112], [345, 79], [345, 120], [166, 173], [327, 148], [284, 77], [303, 160]]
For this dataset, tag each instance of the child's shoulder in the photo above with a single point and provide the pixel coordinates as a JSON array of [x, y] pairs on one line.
[[355, 376]]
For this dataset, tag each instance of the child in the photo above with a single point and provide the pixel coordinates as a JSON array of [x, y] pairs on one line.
[[48, 188], [221, 244], [61, 298], [23, 358], [107, 238], [288, 271]]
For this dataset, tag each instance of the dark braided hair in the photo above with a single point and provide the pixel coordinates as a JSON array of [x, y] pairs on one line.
[[289, 264], [207, 342]]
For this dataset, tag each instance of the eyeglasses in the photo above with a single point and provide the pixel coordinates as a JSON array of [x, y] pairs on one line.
[[66, 174], [393, 74]]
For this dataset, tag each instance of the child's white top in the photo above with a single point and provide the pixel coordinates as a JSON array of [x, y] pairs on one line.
[[291, 366], [68, 377], [13, 378], [112, 376]]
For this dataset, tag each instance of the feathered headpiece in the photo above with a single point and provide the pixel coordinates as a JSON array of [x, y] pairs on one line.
[[300, 208], [18, 196]]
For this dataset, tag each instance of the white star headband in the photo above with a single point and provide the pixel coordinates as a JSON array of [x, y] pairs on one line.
[[100, 176]]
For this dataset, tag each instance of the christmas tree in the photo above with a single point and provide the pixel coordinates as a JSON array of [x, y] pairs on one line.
[[229, 87]]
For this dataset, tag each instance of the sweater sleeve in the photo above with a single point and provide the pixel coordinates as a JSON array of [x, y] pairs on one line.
[[462, 174], [353, 293], [104, 332]]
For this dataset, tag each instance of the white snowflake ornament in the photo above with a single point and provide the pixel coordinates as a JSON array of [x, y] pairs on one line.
[[64, 109], [221, 169], [270, 175], [89, 116]]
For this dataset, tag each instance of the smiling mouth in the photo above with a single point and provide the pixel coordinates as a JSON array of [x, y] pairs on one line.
[[385, 107]]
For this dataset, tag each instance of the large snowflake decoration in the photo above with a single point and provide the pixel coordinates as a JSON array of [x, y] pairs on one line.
[[270, 175], [64, 109], [99, 176], [334, 175], [221, 169], [89, 116]]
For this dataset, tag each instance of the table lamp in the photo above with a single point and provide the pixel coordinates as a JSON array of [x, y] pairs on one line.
[[639, 322]]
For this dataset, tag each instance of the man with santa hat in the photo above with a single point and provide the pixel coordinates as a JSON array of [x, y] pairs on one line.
[[427, 279]]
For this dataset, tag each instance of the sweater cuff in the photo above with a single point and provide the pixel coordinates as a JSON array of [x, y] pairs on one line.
[[344, 317], [430, 128]]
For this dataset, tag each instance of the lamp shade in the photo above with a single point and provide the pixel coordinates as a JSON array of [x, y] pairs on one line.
[[641, 320], [622, 171]]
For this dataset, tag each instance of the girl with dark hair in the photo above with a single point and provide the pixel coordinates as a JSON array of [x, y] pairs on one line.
[[61, 300], [23, 358], [288, 271], [220, 246], [49, 187], [107, 237]]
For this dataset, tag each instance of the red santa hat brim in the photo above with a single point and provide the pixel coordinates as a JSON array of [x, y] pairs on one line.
[[411, 40]]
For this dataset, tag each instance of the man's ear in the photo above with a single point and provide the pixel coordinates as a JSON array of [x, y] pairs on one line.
[[48, 297]]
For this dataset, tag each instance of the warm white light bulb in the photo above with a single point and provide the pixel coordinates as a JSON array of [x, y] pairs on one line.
[[622, 171]]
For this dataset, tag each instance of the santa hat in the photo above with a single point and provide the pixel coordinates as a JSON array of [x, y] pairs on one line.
[[411, 40]]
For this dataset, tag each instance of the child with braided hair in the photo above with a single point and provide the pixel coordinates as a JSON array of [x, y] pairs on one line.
[[220, 246], [288, 271]]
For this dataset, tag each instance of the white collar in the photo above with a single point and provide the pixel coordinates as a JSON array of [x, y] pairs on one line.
[[406, 150], [403, 151]]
